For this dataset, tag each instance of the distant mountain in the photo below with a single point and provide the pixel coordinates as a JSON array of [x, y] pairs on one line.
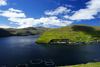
[[78, 33], [22, 32], [4, 33]]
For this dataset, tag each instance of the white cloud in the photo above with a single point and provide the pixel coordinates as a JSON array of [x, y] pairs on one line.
[[12, 13], [1, 11], [46, 21], [54, 21], [23, 22], [99, 16], [11, 22], [57, 11], [92, 8], [14, 10], [19, 18], [69, 5], [5, 26], [3, 2], [66, 16]]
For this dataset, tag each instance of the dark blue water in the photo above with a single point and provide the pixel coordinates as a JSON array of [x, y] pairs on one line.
[[21, 49]]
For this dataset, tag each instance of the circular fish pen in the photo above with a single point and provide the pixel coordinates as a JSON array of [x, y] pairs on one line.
[[36, 61], [49, 63], [48, 60], [22, 65]]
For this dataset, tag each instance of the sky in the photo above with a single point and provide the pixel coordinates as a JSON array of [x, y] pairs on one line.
[[48, 13]]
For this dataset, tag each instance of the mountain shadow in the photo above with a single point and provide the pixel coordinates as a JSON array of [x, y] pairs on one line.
[[22, 32], [4, 33], [82, 28], [94, 32]]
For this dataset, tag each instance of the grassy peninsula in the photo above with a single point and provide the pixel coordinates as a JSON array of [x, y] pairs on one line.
[[22, 32], [97, 64], [79, 33]]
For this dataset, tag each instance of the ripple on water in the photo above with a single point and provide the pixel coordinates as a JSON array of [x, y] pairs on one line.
[[97, 59]]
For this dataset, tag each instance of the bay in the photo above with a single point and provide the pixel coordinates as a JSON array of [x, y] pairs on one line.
[[16, 50]]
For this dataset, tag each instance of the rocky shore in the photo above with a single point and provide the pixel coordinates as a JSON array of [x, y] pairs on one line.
[[74, 42]]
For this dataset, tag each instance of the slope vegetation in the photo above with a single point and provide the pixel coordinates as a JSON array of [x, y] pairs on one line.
[[79, 33], [22, 32], [96, 64]]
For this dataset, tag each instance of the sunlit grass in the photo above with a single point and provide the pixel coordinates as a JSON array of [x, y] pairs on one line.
[[97, 64], [74, 32]]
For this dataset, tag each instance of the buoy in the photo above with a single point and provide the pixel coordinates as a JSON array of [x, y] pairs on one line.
[[36, 61], [19, 65]]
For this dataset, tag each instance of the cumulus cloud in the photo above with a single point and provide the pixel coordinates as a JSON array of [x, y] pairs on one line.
[[92, 8], [12, 13], [14, 10], [46, 21], [5, 26], [3, 2], [19, 18], [57, 11]]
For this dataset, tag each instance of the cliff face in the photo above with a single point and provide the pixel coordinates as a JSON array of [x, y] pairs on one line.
[[79, 33], [22, 32]]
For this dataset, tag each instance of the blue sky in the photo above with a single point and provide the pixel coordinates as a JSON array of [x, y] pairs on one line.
[[48, 13]]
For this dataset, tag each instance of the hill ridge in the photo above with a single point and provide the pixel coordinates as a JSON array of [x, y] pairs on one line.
[[22, 32]]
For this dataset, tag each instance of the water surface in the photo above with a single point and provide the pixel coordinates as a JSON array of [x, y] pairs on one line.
[[21, 49]]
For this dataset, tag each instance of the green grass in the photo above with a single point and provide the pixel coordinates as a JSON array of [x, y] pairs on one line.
[[73, 32], [97, 64]]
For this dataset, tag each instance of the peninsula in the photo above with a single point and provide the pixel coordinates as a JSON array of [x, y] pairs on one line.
[[72, 33]]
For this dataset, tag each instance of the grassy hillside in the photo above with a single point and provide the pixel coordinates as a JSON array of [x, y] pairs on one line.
[[21, 32], [97, 64], [4, 33], [81, 33]]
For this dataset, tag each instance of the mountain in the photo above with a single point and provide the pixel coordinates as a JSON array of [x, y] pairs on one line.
[[4, 33], [79, 33], [22, 32]]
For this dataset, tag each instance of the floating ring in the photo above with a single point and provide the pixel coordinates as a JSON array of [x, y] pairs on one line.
[[22, 65], [49, 63], [48, 60], [36, 61]]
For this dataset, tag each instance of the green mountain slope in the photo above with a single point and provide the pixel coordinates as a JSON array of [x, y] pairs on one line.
[[82, 33], [4, 33], [96, 64], [22, 32]]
